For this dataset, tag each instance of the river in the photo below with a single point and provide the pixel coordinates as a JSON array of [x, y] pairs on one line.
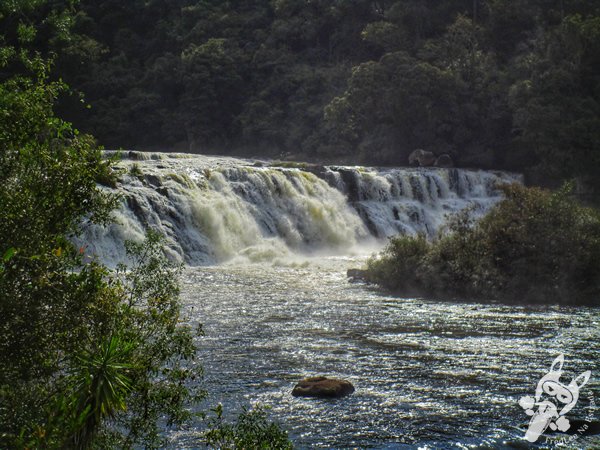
[[427, 374], [266, 250]]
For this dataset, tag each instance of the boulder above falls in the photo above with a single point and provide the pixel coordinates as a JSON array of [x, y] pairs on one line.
[[444, 160], [424, 158], [421, 158], [323, 387]]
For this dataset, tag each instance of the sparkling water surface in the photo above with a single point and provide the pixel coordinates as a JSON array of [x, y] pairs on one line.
[[428, 374]]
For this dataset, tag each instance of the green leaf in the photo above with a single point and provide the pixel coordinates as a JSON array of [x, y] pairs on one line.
[[9, 254]]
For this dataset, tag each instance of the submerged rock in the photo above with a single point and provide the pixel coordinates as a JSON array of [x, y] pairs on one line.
[[323, 387]]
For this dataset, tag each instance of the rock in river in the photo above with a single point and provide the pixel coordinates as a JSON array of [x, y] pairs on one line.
[[357, 274], [323, 387]]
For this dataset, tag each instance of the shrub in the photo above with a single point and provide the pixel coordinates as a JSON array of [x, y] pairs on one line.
[[251, 431], [534, 246], [397, 267]]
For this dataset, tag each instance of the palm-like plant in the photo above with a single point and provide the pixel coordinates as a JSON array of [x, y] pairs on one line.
[[101, 384]]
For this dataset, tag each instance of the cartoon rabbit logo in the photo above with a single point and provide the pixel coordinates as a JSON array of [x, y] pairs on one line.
[[553, 400]]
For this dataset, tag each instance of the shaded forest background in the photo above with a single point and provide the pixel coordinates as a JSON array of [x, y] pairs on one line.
[[505, 84]]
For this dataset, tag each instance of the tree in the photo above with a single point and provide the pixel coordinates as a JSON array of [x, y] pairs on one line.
[[213, 89], [87, 354], [396, 105], [534, 246], [556, 104]]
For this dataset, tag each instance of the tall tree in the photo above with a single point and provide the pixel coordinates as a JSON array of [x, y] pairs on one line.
[[557, 103], [87, 354]]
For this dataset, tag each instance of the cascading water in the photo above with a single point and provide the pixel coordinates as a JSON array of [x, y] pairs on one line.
[[214, 209]]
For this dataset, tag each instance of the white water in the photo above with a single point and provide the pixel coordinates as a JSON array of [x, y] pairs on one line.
[[215, 209]]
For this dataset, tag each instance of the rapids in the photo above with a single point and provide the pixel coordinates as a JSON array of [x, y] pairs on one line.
[[428, 374]]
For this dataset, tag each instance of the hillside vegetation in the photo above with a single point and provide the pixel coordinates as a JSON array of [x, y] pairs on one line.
[[91, 357], [509, 84]]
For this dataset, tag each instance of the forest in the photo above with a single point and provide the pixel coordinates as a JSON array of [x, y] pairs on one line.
[[493, 83]]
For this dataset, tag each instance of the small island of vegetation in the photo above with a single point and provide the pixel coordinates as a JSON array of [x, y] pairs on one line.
[[534, 246]]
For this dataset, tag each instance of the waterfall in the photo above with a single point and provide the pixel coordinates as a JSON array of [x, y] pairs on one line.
[[214, 209]]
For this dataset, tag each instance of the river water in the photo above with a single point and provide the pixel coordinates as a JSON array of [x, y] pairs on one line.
[[428, 374]]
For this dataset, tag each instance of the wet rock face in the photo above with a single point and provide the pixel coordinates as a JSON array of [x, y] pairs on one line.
[[323, 387], [212, 209]]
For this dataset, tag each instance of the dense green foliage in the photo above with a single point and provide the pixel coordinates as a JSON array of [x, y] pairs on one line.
[[534, 246], [89, 356], [494, 83], [252, 430], [96, 357]]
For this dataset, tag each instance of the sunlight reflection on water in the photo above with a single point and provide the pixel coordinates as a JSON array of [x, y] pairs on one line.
[[427, 374]]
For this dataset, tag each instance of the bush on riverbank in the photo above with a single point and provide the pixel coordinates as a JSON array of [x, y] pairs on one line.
[[90, 357], [534, 246], [251, 430]]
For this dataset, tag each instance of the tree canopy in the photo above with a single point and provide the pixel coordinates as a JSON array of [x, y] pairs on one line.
[[494, 83], [88, 355]]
